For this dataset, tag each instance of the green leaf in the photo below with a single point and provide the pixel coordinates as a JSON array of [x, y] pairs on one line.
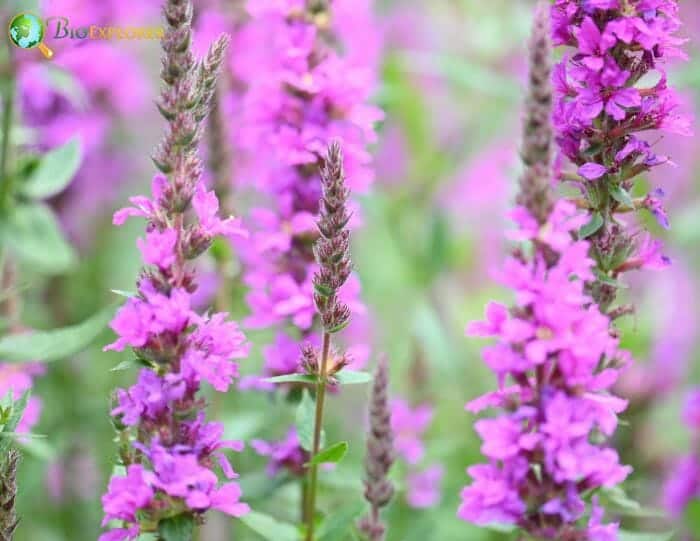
[[636, 536], [335, 526], [293, 378], [339, 327], [591, 227], [608, 280], [124, 365], [11, 417], [56, 344], [501, 528], [32, 233], [177, 528], [622, 196], [305, 419], [122, 293], [333, 454], [54, 172], [692, 518], [269, 527], [351, 377]]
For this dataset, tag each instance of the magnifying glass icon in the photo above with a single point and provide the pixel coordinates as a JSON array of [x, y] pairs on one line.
[[26, 31]]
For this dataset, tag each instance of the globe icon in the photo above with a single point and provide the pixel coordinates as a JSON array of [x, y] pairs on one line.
[[27, 31]]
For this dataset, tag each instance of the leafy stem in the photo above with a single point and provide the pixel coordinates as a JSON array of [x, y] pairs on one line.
[[318, 428]]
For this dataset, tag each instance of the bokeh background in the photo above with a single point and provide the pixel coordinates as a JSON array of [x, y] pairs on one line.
[[451, 83]]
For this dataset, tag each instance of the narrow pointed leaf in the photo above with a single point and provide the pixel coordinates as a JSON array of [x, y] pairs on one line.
[[333, 454], [269, 527], [592, 226], [56, 344], [54, 172], [351, 377], [292, 378]]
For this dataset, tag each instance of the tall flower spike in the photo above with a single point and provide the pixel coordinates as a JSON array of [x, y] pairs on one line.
[[380, 455], [556, 360], [332, 251], [313, 84], [605, 99], [167, 447], [8, 494], [535, 184]]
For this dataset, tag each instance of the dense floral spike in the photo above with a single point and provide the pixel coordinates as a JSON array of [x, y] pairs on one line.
[[380, 455], [555, 359], [332, 252], [610, 88], [547, 446], [170, 463], [8, 494], [310, 86], [332, 249], [535, 184]]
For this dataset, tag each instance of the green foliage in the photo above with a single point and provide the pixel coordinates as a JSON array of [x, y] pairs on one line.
[[305, 418], [636, 536], [293, 378], [592, 226], [54, 172], [10, 415], [333, 454], [178, 528], [32, 234], [351, 377], [55, 344], [692, 518], [338, 525], [622, 196], [269, 527]]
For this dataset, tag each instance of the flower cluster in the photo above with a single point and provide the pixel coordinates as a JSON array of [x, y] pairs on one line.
[[423, 485], [610, 89], [302, 92], [170, 464], [683, 483], [555, 358], [547, 447], [285, 455]]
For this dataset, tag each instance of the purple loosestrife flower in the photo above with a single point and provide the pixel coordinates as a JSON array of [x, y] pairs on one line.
[[302, 92], [287, 454], [170, 464], [380, 455], [408, 425], [555, 359], [606, 98], [550, 344]]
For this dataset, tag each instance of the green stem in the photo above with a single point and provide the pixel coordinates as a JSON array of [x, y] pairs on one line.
[[318, 428], [8, 113]]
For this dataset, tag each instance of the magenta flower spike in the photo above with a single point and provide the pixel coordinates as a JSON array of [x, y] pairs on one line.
[[611, 89], [311, 86], [555, 360], [170, 452]]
